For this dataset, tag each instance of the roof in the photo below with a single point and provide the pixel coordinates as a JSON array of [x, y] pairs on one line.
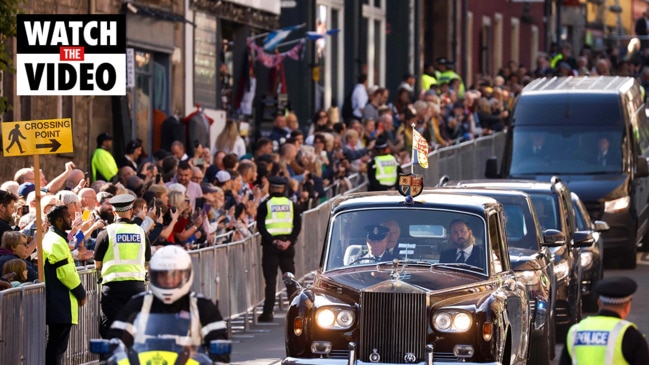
[[601, 84], [427, 199], [513, 184]]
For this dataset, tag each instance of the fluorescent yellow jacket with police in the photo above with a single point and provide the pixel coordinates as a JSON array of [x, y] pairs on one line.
[[597, 340], [279, 217], [125, 255], [63, 286], [385, 167], [103, 165]]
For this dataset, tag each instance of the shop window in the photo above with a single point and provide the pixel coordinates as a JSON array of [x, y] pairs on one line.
[[205, 60]]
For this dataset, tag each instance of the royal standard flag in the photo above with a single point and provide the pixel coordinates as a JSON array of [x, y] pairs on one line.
[[420, 149]]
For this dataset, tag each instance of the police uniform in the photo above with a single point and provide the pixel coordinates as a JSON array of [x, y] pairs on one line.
[[277, 220], [122, 249], [605, 338], [383, 169], [188, 308]]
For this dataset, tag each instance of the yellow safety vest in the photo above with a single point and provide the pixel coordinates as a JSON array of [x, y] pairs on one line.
[[279, 218], [597, 340], [555, 60], [124, 259], [57, 252], [385, 169], [427, 81]]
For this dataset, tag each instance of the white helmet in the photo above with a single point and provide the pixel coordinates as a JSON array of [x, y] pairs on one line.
[[170, 273]]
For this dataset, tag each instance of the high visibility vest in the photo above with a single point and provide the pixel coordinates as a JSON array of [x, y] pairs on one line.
[[427, 81], [554, 62], [385, 169], [597, 340], [60, 271], [279, 216], [124, 259], [450, 75]]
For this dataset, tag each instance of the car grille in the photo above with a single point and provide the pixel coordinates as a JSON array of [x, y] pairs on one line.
[[393, 324], [595, 209]]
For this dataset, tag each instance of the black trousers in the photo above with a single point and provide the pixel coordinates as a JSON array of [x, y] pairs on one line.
[[271, 259], [114, 297], [58, 336]]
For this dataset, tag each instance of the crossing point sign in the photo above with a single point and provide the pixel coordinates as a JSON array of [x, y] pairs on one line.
[[37, 137]]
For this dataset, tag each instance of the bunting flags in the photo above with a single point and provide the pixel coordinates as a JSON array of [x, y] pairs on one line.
[[314, 36], [419, 149], [275, 37], [273, 59]]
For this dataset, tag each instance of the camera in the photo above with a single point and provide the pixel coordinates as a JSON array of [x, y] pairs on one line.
[[25, 209]]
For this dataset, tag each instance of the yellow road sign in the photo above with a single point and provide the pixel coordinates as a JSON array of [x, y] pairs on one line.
[[37, 137]]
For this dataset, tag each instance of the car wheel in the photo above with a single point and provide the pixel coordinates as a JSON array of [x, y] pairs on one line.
[[628, 259], [540, 346]]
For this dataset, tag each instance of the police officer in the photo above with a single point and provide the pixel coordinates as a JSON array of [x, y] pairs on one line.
[[189, 317], [607, 337], [279, 224], [383, 169], [121, 252]]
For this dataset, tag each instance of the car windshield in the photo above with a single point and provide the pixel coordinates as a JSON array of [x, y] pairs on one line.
[[424, 236], [566, 149], [547, 210]]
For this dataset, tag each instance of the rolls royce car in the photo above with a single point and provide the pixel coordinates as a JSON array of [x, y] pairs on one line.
[[591, 257], [424, 280], [556, 216], [531, 259]]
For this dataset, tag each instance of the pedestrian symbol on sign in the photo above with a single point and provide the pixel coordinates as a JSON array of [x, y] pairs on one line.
[[15, 136]]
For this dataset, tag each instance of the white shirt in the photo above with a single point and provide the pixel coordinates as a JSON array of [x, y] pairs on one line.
[[359, 99], [467, 253]]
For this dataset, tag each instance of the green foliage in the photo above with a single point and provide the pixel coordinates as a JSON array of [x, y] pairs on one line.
[[8, 11]]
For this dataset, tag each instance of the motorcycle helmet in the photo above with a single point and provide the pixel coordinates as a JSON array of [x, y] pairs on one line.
[[170, 274]]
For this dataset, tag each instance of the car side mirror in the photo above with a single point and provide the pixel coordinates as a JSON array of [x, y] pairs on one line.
[[643, 167], [600, 226], [583, 239], [491, 168], [553, 238]]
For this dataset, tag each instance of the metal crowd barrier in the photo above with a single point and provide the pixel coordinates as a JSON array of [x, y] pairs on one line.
[[22, 325], [229, 273]]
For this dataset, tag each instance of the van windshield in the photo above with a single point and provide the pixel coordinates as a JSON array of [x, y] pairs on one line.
[[566, 150]]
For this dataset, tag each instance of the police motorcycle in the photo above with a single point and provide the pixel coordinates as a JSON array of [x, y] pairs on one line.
[[164, 325]]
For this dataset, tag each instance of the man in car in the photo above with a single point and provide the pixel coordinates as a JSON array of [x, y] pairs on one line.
[[465, 250], [376, 245], [392, 238]]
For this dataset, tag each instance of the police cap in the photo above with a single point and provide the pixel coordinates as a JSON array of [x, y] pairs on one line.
[[122, 202], [277, 181], [381, 142], [376, 232], [616, 289]]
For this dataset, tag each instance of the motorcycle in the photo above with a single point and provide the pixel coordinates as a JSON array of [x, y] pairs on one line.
[[164, 340]]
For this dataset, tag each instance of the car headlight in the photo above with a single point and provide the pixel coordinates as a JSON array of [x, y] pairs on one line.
[[616, 205], [335, 318], [586, 259], [451, 321], [561, 270], [529, 278]]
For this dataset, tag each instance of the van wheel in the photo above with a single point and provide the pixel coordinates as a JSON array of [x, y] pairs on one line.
[[628, 259]]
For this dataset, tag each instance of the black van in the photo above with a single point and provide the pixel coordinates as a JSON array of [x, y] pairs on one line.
[[593, 133]]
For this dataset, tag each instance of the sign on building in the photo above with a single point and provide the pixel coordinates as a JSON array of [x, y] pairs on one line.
[[37, 137], [71, 54]]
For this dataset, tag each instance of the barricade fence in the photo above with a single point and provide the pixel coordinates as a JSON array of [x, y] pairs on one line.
[[229, 274]]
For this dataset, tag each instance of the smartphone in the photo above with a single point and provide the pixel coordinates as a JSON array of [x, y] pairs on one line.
[[158, 178], [10, 276], [199, 203], [87, 177], [158, 211], [25, 209], [207, 208]]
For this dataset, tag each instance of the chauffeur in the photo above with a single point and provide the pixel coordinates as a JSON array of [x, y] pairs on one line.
[[120, 255], [607, 337], [279, 224]]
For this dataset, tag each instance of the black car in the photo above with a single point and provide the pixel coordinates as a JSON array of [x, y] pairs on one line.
[[591, 257], [531, 259], [556, 216], [408, 307]]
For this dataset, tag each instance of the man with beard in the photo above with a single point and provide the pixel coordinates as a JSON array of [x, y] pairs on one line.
[[104, 210], [64, 293], [465, 250], [7, 202]]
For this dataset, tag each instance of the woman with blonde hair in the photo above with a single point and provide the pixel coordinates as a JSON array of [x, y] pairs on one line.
[[229, 140], [17, 270]]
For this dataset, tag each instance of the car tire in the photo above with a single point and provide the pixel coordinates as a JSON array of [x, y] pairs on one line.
[[542, 345], [628, 259]]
